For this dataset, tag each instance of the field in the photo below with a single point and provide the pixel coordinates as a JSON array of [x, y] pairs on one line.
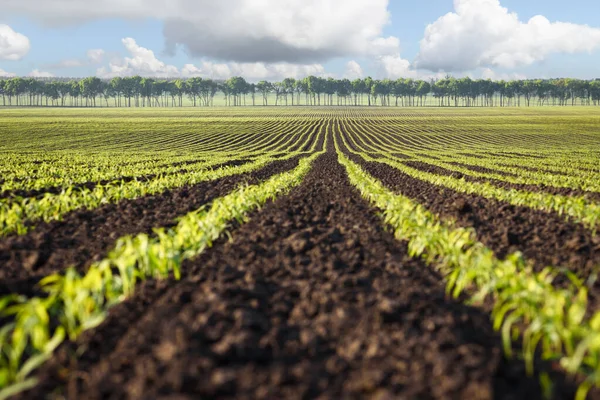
[[297, 253]]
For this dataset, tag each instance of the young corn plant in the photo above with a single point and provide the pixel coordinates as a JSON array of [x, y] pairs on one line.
[[578, 208], [526, 303], [17, 215], [75, 303]]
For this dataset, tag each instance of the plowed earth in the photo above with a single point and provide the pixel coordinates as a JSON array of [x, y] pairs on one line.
[[85, 236], [312, 298], [544, 238]]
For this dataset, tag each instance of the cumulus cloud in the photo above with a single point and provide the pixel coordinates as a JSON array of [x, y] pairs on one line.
[[5, 74], [93, 57], [488, 73], [252, 71], [13, 45], [353, 70], [394, 67], [482, 33], [144, 62], [270, 31], [40, 74]]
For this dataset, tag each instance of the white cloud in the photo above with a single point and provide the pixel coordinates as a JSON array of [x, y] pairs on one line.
[[488, 73], [482, 33], [353, 70], [36, 73], [4, 74], [384, 46], [394, 67], [70, 63], [95, 56], [13, 45], [253, 71], [143, 62], [270, 31]]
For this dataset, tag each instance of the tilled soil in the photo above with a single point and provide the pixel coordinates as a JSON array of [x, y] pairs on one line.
[[543, 238], [84, 236], [312, 298]]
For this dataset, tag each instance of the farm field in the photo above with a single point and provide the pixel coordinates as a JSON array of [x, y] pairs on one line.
[[298, 253]]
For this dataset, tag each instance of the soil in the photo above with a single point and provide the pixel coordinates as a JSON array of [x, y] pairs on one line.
[[544, 238], [312, 298], [84, 236]]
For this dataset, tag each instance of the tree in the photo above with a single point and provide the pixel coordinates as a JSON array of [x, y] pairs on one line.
[[264, 88], [148, 92], [192, 88], [595, 91], [236, 86], [288, 85], [368, 87], [3, 91], [358, 89], [423, 89], [343, 91]]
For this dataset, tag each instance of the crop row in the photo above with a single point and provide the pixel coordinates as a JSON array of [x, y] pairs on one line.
[[579, 208], [76, 169], [18, 214], [74, 303], [562, 169], [550, 321]]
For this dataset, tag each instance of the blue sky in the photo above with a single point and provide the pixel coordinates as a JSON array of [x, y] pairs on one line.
[[60, 37]]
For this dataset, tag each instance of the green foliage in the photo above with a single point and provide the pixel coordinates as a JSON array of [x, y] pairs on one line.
[[75, 303], [152, 172], [578, 208], [526, 303]]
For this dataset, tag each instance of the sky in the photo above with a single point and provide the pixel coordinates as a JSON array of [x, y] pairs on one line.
[[274, 39]]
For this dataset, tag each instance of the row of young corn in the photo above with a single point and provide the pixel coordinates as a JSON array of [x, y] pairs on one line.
[[74, 303], [579, 208], [556, 170], [17, 215], [564, 175], [90, 132], [63, 171], [550, 321], [511, 134], [528, 144]]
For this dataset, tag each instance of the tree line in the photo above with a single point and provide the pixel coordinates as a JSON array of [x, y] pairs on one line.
[[137, 91]]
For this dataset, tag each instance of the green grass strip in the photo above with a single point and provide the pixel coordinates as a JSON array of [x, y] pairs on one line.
[[75, 303], [526, 304], [16, 214]]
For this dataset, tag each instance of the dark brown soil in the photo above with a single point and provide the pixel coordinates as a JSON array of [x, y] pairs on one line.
[[543, 238], [593, 196], [313, 298], [85, 236]]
